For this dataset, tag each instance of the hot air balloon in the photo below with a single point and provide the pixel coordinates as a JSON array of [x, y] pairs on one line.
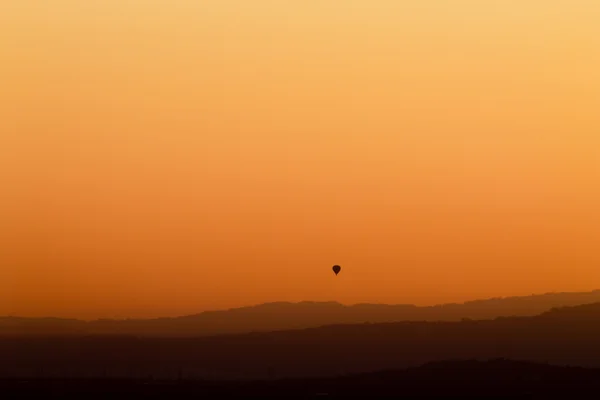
[[336, 269]]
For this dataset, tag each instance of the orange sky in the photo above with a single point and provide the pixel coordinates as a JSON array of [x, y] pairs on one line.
[[163, 157]]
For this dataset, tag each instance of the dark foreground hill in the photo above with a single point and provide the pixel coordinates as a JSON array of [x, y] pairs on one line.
[[285, 316], [569, 336], [449, 379]]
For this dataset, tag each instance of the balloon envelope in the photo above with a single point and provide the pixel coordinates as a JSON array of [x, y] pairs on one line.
[[337, 269]]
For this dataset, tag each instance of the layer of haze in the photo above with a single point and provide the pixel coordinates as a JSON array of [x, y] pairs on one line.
[[163, 157]]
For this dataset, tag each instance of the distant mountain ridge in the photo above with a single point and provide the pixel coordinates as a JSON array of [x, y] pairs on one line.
[[561, 336], [285, 316]]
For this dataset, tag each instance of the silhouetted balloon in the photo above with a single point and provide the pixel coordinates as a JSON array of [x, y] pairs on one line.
[[337, 269]]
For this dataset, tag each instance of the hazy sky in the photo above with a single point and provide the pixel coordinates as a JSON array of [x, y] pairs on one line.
[[163, 157]]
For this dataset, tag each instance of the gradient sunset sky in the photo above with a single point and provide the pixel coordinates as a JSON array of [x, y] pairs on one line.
[[165, 157]]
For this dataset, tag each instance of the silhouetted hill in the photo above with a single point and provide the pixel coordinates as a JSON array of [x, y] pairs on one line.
[[569, 336], [450, 379], [285, 316]]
